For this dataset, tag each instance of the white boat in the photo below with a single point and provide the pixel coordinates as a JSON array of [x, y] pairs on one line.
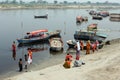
[[56, 44]]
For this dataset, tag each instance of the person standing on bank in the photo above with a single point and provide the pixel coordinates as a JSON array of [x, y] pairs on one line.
[[88, 46], [26, 60], [14, 50], [77, 46], [29, 56], [20, 65]]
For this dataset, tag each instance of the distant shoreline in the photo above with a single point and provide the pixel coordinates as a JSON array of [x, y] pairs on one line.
[[14, 7]]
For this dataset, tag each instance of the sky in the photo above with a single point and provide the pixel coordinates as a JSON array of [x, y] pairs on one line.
[[117, 1]]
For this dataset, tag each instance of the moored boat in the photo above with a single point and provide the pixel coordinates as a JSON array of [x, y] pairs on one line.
[[103, 13], [33, 36], [56, 44], [41, 35], [89, 35], [92, 27], [97, 17], [71, 43], [115, 17], [55, 33], [81, 19], [43, 16], [92, 12]]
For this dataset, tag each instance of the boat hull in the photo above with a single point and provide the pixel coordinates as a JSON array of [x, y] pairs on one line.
[[90, 36], [56, 44], [44, 16], [32, 40]]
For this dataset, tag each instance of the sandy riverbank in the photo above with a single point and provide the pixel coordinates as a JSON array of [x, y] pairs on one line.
[[102, 65]]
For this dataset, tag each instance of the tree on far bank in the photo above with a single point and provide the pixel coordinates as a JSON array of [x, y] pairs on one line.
[[14, 2], [65, 2], [55, 2]]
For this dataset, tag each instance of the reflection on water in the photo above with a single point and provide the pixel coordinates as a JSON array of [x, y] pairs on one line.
[[35, 47], [56, 52]]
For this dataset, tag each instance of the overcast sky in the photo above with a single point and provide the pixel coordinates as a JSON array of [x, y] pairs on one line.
[[117, 1]]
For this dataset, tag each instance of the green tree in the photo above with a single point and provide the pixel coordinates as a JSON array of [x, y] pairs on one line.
[[14, 2], [89, 2], [55, 2], [65, 2]]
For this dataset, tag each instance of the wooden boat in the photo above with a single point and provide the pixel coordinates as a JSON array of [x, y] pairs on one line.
[[89, 35], [115, 17], [92, 12], [81, 19], [103, 13], [44, 16], [56, 44], [38, 35], [55, 33], [71, 43], [92, 27], [97, 17], [41, 35]]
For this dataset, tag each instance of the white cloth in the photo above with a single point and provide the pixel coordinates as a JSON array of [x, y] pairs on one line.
[[77, 63], [29, 60], [78, 46]]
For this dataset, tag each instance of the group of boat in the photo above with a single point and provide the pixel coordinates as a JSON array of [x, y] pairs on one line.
[[91, 33], [98, 15], [43, 35], [54, 37]]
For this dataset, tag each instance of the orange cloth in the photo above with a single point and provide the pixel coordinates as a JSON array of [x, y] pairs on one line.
[[93, 47], [30, 53], [88, 45], [68, 56], [13, 47], [67, 64], [82, 45]]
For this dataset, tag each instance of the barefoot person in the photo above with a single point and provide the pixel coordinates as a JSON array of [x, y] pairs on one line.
[[88, 45], [14, 50], [77, 46], [68, 56], [20, 65]]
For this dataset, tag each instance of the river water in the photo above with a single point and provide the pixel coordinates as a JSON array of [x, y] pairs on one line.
[[15, 23]]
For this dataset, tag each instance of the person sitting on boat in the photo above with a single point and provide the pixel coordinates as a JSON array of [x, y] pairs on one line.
[[68, 56]]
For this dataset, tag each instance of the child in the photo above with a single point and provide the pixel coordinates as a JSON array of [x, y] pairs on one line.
[[20, 65]]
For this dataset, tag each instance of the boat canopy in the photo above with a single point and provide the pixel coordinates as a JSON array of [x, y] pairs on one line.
[[92, 25], [37, 31]]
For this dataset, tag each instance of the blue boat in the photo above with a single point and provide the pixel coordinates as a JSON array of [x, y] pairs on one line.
[[38, 35], [41, 35], [89, 35]]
